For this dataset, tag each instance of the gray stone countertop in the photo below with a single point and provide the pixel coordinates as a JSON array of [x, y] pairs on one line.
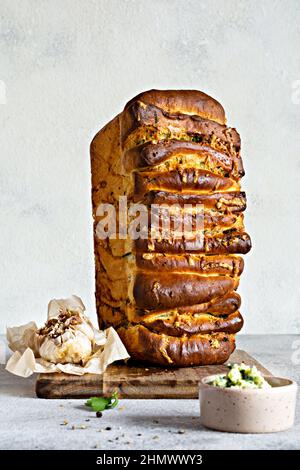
[[31, 423]]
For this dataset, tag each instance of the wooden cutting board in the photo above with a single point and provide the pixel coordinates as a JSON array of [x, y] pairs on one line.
[[135, 380]]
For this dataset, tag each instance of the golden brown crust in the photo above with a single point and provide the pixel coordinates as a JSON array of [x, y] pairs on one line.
[[154, 291], [182, 101], [172, 299], [225, 305], [115, 314], [187, 180], [151, 122], [108, 315], [221, 306], [180, 324], [195, 350], [227, 201], [227, 243], [152, 154], [193, 263], [214, 222]]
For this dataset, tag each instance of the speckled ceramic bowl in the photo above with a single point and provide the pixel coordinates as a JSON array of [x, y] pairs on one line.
[[248, 411]]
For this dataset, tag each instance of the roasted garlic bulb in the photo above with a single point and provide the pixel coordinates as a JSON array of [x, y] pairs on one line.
[[66, 338]]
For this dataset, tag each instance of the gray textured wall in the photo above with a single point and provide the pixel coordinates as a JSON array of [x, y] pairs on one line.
[[68, 66]]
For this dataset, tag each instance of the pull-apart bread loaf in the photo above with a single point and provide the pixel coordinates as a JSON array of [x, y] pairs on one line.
[[172, 300]]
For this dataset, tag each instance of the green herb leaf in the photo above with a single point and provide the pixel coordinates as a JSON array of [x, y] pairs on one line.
[[103, 403], [114, 400], [97, 403]]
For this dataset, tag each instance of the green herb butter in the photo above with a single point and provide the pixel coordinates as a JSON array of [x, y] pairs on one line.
[[241, 376]]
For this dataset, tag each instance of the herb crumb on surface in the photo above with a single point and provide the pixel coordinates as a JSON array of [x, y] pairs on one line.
[[80, 426]]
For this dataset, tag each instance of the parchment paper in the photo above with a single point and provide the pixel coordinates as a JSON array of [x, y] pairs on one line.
[[107, 346]]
